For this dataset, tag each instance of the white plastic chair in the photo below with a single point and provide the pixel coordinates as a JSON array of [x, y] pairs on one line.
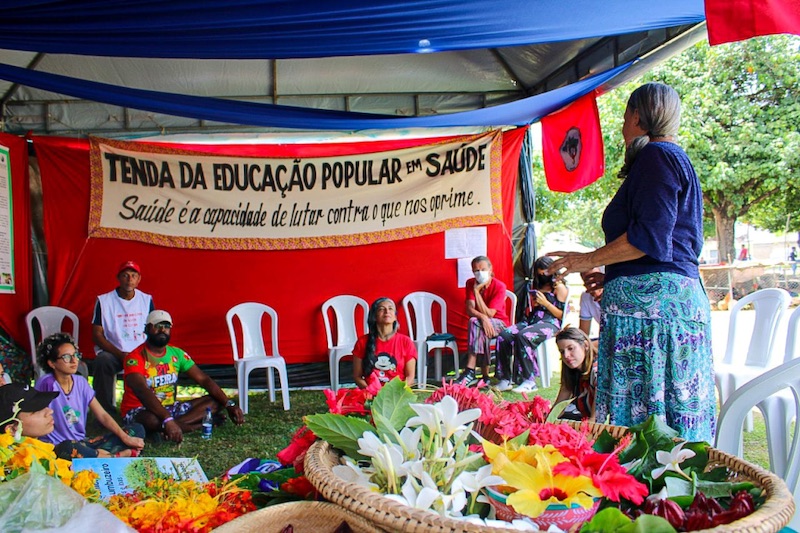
[[737, 368], [421, 326], [751, 394], [344, 310], [779, 409], [547, 352], [254, 354], [50, 319]]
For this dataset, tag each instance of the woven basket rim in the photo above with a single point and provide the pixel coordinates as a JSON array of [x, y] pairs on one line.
[[771, 517], [299, 514]]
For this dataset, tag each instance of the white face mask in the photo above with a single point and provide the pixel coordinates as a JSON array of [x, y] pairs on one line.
[[482, 276]]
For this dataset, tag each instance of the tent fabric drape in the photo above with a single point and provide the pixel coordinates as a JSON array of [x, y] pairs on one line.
[[517, 113], [198, 287], [277, 29]]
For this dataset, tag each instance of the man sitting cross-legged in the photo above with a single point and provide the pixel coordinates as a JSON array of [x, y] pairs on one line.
[[151, 378]]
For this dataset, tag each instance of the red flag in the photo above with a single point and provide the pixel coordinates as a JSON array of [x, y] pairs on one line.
[[572, 145], [736, 20]]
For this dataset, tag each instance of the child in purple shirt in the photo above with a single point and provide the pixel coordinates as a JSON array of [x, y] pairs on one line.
[[59, 357]]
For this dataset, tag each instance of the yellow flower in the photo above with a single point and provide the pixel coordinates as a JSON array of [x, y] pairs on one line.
[[537, 487], [6, 440], [83, 484], [499, 456]]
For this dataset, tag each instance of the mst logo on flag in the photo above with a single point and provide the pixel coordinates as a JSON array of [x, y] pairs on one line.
[[572, 146]]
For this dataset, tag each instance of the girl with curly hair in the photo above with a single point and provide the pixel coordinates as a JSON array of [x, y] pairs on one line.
[[59, 357]]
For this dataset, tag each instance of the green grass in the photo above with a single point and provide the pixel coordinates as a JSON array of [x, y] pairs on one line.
[[268, 429]]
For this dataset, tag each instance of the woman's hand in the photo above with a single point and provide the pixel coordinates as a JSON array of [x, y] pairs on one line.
[[594, 284], [569, 262], [541, 299]]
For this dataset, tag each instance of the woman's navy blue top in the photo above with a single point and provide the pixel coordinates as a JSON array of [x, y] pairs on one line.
[[660, 206]]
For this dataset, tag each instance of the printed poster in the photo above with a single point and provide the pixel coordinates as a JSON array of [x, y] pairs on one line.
[[121, 475], [7, 282]]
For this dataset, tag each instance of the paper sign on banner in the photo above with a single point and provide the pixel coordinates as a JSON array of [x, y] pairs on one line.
[[464, 242], [464, 271]]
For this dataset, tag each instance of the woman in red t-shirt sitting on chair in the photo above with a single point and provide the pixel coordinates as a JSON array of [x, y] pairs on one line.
[[383, 353]]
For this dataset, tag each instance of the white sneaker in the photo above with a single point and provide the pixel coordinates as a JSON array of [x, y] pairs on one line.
[[529, 385], [503, 385]]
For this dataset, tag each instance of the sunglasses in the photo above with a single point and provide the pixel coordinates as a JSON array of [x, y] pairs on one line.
[[69, 357]]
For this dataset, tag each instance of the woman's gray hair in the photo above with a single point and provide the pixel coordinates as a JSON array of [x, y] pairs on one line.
[[659, 109]]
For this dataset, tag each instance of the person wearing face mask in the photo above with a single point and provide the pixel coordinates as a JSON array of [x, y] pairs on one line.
[[151, 383], [486, 309], [542, 322]]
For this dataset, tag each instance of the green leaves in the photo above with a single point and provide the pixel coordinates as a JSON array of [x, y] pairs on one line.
[[612, 520], [390, 411], [341, 431], [390, 408]]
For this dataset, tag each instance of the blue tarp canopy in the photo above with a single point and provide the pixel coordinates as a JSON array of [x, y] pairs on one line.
[[121, 66]]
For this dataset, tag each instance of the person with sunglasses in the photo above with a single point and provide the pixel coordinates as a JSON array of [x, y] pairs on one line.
[[151, 386], [59, 357]]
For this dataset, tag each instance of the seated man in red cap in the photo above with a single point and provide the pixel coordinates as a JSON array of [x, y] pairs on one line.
[[117, 328], [151, 383]]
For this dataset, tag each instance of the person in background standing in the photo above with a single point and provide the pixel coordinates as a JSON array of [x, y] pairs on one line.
[[744, 254], [655, 344]]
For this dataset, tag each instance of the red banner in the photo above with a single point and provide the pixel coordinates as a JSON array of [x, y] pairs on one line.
[[14, 306], [736, 20], [572, 146], [199, 286]]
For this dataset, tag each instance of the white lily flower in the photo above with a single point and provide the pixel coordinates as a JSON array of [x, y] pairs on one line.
[[353, 473], [660, 495], [368, 444], [386, 457], [476, 480], [455, 502], [442, 417], [409, 440], [424, 498], [671, 460]]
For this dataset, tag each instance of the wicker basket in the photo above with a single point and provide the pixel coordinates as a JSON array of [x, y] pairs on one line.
[[304, 517], [394, 516]]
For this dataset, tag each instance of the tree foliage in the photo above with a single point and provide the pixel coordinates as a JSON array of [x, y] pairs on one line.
[[740, 127]]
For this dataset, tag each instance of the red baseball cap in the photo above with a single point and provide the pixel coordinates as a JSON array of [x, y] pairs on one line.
[[129, 265]]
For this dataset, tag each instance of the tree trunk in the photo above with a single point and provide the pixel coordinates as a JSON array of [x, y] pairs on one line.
[[725, 244]]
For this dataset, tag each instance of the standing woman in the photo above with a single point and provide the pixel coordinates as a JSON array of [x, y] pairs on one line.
[[383, 353], [655, 341]]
